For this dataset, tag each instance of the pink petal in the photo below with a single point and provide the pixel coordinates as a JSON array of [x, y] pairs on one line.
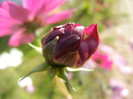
[[52, 4], [5, 17], [20, 38], [16, 12], [7, 23], [7, 27], [5, 32], [34, 6], [59, 17]]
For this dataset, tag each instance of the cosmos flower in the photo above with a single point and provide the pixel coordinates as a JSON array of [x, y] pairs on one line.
[[21, 22], [102, 60], [70, 45]]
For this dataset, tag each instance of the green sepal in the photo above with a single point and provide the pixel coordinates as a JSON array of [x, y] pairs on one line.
[[38, 49], [48, 51], [39, 68], [52, 72], [78, 69], [63, 74]]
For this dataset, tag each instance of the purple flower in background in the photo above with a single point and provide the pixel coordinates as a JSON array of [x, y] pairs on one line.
[[118, 89], [70, 45], [21, 22], [131, 43]]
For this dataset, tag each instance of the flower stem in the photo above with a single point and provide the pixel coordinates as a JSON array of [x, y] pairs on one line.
[[61, 85]]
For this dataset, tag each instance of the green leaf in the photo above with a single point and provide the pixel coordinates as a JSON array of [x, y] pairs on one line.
[[38, 49], [78, 69], [63, 74], [52, 72], [41, 67]]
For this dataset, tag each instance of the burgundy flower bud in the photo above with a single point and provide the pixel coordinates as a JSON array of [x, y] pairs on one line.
[[70, 45]]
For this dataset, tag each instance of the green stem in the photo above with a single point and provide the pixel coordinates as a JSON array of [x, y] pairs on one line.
[[61, 85]]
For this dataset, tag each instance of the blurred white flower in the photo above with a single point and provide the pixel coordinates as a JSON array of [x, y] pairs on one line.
[[124, 92], [16, 57], [126, 69], [27, 83], [4, 57], [12, 59]]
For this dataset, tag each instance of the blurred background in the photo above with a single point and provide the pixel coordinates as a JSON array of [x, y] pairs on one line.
[[112, 63]]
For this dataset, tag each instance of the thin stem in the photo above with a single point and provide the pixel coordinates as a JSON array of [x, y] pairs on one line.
[[60, 84], [38, 49]]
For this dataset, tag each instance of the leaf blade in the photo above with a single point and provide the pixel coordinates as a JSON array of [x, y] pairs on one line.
[[39, 68]]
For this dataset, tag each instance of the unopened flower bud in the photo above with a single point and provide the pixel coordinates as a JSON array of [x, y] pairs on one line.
[[70, 45]]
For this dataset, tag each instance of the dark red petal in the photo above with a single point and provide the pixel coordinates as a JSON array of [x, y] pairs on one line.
[[68, 27], [79, 30], [64, 46], [52, 35], [68, 30], [69, 59], [89, 45]]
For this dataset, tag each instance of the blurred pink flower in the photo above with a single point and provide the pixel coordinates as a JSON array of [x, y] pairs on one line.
[[118, 89], [70, 75], [118, 60], [102, 60], [21, 22], [30, 89], [27, 83], [106, 49], [90, 64]]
